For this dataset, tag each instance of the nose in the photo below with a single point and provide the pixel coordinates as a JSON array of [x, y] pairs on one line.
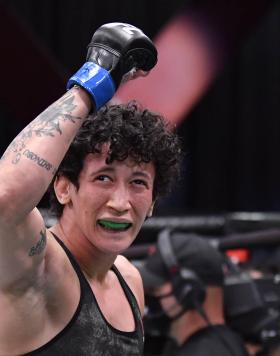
[[119, 199]]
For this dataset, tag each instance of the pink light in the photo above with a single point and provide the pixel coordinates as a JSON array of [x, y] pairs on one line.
[[188, 59]]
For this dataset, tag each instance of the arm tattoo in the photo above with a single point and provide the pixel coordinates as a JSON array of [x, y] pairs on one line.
[[46, 124], [39, 161], [41, 244]]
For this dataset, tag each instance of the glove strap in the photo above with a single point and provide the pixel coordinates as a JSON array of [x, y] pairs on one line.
[[96, 80]]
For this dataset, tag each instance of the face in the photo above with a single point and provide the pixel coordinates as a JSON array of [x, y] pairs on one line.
[[112, 201], [167, 300]]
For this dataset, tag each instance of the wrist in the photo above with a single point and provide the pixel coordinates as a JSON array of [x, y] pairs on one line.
[[96, 80], [84, 98]]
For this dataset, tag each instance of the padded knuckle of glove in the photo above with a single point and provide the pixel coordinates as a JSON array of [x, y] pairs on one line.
[[114, 50]]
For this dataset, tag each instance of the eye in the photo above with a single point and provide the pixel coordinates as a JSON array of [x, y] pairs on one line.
[[140, 182], [103, 178]]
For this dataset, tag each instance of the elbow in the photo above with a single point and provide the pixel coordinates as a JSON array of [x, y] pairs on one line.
[[8, 205]]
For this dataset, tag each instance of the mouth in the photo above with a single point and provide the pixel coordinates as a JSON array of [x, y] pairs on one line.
[[113, 225]]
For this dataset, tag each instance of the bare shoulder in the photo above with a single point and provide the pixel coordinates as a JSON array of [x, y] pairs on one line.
[[128, 270], [132, 277]]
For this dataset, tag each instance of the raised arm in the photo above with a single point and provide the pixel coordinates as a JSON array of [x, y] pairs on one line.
[[30, 162]]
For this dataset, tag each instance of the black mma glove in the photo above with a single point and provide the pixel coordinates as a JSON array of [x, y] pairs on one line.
[[116, 50]]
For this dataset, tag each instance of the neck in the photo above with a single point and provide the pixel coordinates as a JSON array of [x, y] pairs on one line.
[[92, 261], [192, 321]]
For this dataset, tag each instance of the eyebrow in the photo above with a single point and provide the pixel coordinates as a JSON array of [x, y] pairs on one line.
[[142, 174], [103, 169]]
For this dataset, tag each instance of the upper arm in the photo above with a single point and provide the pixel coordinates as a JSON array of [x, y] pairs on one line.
[[22, 251], [133, 279]]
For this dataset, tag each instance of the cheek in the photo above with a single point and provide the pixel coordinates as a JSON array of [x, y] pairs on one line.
[[170, 305], [144, 207], [89, 198], [145, 201], [81, 209], [167, 302]]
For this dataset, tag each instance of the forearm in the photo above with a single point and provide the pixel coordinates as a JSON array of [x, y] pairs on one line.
[[30, 162]]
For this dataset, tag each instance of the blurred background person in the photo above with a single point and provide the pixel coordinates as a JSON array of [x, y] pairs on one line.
[[185, 277]]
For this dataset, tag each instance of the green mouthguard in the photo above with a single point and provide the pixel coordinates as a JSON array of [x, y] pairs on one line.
[[113, 225]]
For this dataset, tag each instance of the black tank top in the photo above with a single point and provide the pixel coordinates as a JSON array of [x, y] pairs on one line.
[[88, 333]]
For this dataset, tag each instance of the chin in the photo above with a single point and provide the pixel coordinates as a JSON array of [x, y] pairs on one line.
[[116, 246], [114, 242]]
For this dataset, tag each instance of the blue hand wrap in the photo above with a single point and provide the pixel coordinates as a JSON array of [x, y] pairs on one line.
[[96, 80]]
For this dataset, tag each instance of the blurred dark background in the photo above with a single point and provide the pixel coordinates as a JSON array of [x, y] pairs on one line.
[[231, 134]]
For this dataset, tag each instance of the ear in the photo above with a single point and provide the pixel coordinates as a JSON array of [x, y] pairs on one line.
[[62, 189], [150, 211]]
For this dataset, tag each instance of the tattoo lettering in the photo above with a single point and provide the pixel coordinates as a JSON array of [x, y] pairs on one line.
[[46, 124], [41, 244], [40, 161]]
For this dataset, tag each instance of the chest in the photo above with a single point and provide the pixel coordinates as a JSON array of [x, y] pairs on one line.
[[114, 305]]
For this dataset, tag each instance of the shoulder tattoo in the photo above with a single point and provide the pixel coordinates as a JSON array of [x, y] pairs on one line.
[[40, 245]]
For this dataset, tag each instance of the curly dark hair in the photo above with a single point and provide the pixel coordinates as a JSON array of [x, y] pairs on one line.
[[131, 132]]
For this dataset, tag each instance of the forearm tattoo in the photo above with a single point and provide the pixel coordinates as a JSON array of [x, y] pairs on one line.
[[46, 124], [40, 246], [39, 161]]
